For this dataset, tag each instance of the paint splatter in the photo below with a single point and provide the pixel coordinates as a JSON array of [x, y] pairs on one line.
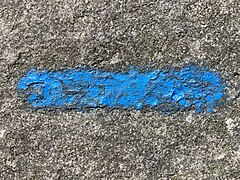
[[164, 90]]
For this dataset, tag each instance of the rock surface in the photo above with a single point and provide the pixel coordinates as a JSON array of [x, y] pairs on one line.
[[118, 144]]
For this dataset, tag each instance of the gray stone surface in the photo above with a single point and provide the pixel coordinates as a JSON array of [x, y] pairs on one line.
[[113, 35]]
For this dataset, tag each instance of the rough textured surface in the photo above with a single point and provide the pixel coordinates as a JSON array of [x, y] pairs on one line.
[[164, 90], [118, 144]]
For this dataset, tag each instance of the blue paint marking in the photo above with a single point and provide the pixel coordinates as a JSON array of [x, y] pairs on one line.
[[164, 90]]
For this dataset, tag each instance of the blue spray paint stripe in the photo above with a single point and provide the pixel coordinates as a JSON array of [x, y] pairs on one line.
[[165, 90]]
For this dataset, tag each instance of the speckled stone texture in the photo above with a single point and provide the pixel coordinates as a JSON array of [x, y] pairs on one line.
[[118, 144]]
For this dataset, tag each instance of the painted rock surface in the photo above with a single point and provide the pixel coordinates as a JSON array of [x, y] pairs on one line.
[[164, 90]]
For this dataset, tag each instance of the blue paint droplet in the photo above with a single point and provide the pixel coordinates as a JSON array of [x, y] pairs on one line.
[[163, 90]]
